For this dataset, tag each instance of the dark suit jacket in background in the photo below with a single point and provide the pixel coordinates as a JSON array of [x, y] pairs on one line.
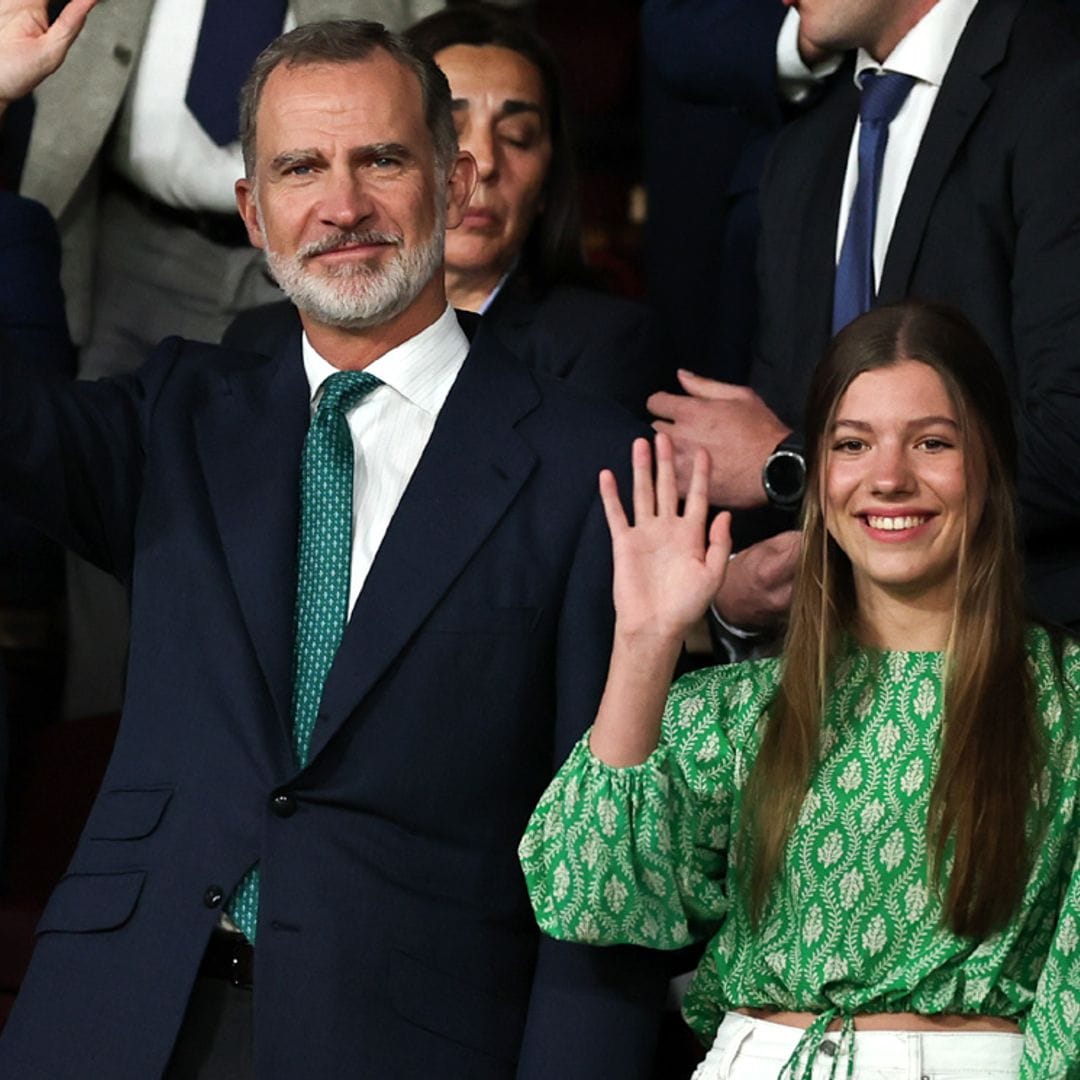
[[396, 939], [711, 109], [600, 344], [989, 222]]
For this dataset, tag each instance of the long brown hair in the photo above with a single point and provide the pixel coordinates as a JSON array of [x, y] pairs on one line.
[[991, 750]]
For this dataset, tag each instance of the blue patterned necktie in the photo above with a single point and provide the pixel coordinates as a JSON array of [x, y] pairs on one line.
[[880, 101], [322, 581], [232, 34]]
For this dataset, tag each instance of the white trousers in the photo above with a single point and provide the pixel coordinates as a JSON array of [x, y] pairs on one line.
[[749, 1049]]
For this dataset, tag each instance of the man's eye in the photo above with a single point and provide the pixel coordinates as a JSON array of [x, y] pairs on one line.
[[385, 162], [298, 170]]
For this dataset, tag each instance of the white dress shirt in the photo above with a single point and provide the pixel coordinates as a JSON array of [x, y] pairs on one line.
[[925, 53], [391, 426], [159, 146]]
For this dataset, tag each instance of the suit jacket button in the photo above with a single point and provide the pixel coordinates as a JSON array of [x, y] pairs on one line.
[[213, 896], [283, 805]]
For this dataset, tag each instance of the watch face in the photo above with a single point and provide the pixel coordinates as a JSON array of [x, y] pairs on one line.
[[785, 477]]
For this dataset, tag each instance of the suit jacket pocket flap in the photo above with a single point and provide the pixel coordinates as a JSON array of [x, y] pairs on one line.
[[457, 1010], [127, 814], [83, 903]]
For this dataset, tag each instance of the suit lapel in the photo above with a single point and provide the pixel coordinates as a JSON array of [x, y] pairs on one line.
[[249, 439], [469, 474], [819, 215], [963, 95]]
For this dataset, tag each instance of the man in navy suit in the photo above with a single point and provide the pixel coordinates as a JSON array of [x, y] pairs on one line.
[[392, 934]]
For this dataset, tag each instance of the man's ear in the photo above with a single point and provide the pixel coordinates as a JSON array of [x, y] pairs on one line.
[[459, 188], [245, 203]]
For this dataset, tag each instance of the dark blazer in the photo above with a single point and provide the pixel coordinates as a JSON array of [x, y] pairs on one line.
[[32, 322], [990, 222], [395, 937], [711, 110], [599, 343]]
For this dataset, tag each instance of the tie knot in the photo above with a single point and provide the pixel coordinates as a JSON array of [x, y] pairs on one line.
[[882, 96], [345, 388]]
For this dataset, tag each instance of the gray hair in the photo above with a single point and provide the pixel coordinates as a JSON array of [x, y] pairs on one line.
[[348, 41]]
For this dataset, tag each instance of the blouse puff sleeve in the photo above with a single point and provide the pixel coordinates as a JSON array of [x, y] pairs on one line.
[[638, 855], [1052, 1028]]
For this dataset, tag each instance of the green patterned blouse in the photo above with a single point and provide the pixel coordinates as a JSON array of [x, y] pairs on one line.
[[643, 855]]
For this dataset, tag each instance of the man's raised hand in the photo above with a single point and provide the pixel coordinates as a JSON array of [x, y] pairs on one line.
[[31, 49]]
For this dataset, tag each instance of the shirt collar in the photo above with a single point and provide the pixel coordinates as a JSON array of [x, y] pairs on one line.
[[926, 51], [495, 292], [421, 369]]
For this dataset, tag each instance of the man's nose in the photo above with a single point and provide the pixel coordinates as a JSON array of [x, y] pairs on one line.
[[346, 201]]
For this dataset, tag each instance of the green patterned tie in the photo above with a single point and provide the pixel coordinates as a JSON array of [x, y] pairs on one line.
[[322, 582]]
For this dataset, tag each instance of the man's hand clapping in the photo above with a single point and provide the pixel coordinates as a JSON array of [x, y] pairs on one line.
[[733, 424]]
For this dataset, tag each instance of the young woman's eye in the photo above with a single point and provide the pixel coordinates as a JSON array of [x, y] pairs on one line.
[[935, 444], [848, 446]]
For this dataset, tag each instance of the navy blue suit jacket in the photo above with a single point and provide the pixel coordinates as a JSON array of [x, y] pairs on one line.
[[32, 322], [395, 938], [989, 222]]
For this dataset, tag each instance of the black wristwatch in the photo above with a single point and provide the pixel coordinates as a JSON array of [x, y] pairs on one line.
[[784, 475]]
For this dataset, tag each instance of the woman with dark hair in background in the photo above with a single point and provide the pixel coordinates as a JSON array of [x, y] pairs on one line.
[[525, 215], [878, 831], [517, 258]]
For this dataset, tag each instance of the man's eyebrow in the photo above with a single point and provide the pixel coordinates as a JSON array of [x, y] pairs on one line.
[[294, 157], [378, 150]]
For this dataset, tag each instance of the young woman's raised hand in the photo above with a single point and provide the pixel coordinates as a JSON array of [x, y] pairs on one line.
[[667, 567]]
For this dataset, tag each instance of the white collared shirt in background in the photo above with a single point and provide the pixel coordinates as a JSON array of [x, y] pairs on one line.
[[159, 146], [391, 426], [925, 53]]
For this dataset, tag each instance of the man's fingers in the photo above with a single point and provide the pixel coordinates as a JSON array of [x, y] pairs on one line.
[[664, 405], [65, 30], [70, 20], [701, 387]]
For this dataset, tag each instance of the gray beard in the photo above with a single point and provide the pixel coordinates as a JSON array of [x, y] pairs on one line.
[[355, 296]]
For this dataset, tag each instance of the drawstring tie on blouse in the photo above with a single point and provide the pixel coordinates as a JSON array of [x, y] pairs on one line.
[[814, 1042]]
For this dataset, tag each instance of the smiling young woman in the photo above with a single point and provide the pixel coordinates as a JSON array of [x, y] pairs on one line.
[[876, 832]]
